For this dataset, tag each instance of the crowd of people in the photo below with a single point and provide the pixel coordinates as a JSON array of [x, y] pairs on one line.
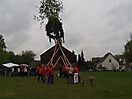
[[70, 73], [26, 71], [19, 71], [46, 74]]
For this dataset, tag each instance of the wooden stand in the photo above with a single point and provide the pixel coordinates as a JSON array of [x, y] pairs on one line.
[[85, 79], [62, 56], [91, 80]]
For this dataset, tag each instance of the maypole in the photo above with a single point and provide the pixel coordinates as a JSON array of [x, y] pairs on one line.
[[50, 10]]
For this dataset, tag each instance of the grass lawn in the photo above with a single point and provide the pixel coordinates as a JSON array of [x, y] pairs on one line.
[[107, 85]]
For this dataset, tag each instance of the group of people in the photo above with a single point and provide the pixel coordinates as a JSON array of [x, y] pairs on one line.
[[19, 71], [70, 73], [46, 73], [24, 71]]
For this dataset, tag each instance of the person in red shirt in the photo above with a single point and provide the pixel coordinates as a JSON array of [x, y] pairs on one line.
[[64, 71], [45, 72], [40, 73], [48, 69], [37, 69], [51, 74], [75, 69]]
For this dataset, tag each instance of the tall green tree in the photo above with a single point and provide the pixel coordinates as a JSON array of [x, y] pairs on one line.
[[4, 57], [2, 43], [28, 56], [12, 57], [3, 54], [128, 50], [18, 59]]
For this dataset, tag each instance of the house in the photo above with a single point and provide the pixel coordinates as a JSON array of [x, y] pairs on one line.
[[108, 62], [96, 59], [47, 55]]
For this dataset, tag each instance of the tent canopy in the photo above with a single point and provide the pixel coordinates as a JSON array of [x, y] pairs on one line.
[[9, 65]]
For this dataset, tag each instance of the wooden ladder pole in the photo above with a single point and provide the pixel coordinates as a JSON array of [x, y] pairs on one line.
[[63, 61], [54, 53], [64, 55], [51, 60], [64, 58]]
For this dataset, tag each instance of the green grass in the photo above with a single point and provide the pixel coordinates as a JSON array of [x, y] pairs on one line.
[[107, 85]]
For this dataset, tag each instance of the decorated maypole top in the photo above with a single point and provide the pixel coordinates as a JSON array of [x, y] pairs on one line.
[[50, 10]]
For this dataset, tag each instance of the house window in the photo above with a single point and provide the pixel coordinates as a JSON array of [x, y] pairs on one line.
[[110, 61]]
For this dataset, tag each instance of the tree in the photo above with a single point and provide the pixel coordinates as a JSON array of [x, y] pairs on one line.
[[28, 56], [90, 65], [128, 50], [12, 57], [81, 61], [3, 54], [3, 57], [120, 58], [82, 56], [18, 59], [2, 43], [50, 9]]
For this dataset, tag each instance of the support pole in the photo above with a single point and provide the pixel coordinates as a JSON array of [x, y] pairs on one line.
[[63, 57]]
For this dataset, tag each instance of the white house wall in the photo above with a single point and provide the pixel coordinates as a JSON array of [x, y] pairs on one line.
[[110, 66]]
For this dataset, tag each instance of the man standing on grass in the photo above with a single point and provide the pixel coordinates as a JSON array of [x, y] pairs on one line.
[[37, 69], [70, 74], [40, 73], [51, 74], [45, 71]]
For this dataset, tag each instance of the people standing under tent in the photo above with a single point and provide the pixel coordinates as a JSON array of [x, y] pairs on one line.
[[6, 72], [70, 74], [22, 71], [33, 71], [25, 71], [51, 74], [45, 71], [19, 72], [75, 69], [12, 69], [40, 74], [29, 70]]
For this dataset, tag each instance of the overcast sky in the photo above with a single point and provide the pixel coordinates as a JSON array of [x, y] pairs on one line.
[[92, 26]]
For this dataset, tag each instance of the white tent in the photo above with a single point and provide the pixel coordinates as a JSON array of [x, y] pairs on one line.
[[9, 65]]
